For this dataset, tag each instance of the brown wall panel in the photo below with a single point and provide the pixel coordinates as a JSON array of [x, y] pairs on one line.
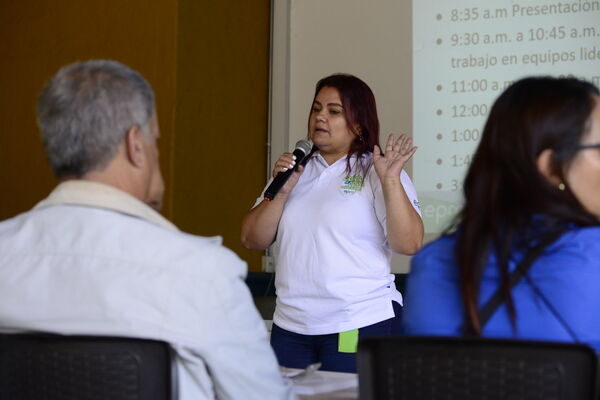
[[222, 107], [208, 63], [37, 38]]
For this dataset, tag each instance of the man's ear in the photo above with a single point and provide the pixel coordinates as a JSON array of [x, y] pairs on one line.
[[545, 166], [134, 146]]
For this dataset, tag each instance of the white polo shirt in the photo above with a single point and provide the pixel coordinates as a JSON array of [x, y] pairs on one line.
[[333, 268]]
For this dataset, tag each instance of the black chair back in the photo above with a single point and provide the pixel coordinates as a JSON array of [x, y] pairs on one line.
[[52, 367], [431, 368]]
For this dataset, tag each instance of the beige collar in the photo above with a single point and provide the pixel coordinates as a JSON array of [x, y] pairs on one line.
[[95, 194]]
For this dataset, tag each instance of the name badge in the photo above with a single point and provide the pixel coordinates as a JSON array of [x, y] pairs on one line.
[[352, 184]]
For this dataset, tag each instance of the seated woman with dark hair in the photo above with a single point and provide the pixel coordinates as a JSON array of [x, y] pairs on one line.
[[532, 203]]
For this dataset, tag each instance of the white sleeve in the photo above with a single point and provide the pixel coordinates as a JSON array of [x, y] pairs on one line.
[[379, 201], [262, 194], [231, 337], [411, 192]]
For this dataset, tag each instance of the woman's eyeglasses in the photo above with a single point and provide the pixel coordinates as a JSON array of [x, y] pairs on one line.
[[588, 146]]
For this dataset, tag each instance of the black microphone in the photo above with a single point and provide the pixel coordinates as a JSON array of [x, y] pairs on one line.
[[303, 147]]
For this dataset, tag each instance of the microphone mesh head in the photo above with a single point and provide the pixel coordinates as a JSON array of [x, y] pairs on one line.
[[304, 145]]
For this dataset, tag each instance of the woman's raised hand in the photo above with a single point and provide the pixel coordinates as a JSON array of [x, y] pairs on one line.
[[397, 153]]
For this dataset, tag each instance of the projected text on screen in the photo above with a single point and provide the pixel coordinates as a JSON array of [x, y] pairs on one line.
[[464, 55]]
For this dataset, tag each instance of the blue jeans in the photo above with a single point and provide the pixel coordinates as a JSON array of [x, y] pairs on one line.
[[294, 350]]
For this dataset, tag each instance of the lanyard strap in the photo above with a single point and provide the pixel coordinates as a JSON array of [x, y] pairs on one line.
[[490, 307]]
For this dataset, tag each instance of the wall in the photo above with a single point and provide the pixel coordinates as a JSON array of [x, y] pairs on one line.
[[208, 63], [220, 147], [38, 37]]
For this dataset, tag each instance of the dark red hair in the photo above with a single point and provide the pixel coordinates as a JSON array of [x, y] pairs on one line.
[[360, 112]]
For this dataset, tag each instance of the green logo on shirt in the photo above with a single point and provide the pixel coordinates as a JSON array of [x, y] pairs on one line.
[[352, 184]]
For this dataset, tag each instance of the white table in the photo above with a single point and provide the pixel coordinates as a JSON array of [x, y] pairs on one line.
[[326, 385]]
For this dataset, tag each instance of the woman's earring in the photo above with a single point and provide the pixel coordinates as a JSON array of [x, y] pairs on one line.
[[359, 135], [561, 186]]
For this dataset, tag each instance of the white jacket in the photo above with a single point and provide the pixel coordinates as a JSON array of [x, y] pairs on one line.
[[91, 259]]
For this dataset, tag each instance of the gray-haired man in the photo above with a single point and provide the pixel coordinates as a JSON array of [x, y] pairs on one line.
[[96, 258]]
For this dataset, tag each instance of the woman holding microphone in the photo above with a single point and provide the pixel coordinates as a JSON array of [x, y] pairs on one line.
[[336, 221]]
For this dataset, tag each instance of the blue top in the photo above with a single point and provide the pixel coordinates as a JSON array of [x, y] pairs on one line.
[[567, 274]]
